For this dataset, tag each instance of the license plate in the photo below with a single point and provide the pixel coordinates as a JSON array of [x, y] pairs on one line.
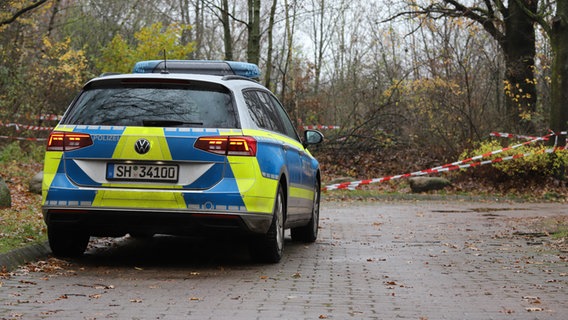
[[142, 172]]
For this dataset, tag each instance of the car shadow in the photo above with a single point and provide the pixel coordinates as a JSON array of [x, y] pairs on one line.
[[163, 251]]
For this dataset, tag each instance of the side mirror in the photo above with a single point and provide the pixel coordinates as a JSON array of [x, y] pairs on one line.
[[312, 137]]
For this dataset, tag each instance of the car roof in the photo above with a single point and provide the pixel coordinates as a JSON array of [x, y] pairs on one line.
[[232, 82]]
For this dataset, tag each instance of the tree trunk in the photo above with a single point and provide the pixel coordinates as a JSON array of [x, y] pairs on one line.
[[290, 16], [319, 43], [54, 13], [187, 34], [268, 73], [227, 37], [253, 26], [198, 39], [559, 108], [519, 46]]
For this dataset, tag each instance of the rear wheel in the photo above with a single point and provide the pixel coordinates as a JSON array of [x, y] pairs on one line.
[[66, 242], [269, 248], [309, 232]]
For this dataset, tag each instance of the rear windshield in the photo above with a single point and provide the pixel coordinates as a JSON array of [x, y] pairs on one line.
[[154, 105]]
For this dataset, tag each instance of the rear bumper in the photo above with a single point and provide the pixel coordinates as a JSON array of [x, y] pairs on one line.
[[118, 221]]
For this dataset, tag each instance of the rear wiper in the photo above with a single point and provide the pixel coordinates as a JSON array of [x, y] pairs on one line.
[[169, 123]]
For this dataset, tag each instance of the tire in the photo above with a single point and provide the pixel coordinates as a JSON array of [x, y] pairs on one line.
[[309, 232], [141, 235], [67, 243], [269, 248]]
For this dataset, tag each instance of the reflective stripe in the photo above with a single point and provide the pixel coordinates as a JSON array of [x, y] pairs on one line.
[[51, 165], [50, 168], [303, 193], [159, 149], [139, 199], [257, 192], [124, 149]]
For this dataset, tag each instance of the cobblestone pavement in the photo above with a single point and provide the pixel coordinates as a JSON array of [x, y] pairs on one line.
[[400, 260]]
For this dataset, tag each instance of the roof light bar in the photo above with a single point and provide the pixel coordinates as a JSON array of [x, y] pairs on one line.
[[211, 67]]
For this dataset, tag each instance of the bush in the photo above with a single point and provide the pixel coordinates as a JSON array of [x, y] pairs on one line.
[[24, 152], [533, 159]]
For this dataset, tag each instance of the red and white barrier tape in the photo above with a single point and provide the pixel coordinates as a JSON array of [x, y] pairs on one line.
[[321, 127], [517, 136], [511, 136], [49, 117], [19, 127], [492, 153], [462, 164]]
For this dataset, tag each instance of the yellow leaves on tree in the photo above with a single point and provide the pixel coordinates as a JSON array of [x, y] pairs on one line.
[[150, 42], [516, 94], [63, 65], [54, 79]]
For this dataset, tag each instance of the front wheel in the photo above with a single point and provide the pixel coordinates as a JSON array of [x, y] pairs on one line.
[[66, 242], [269, 248]]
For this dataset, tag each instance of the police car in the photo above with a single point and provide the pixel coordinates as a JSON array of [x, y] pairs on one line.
[[180, 148]]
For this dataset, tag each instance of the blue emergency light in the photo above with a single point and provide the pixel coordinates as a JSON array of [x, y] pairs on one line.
[[210, 67]]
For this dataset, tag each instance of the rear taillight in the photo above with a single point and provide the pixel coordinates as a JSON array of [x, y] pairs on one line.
[[229, 146], [67, 141]]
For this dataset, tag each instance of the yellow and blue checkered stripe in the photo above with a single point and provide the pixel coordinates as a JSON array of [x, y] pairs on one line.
[[248, 183]]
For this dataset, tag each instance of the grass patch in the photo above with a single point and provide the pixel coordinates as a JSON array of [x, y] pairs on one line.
[[561, 231], [561, 234], [22, 223]]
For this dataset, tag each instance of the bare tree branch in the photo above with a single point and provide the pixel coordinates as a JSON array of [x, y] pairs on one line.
[[538, 18], [16, 15], [485, 17]]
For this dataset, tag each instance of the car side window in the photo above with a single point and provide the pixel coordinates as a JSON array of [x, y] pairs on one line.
[[272, 112], [267, 112], [286, 122], [255, 110], [260, 111]]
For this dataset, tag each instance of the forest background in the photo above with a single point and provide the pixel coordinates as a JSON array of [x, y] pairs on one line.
[[405, 85]]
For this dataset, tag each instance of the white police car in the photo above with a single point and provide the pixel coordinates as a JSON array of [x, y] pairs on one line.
[[180, 148]]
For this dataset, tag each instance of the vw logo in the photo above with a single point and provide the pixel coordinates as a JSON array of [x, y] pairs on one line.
[[142, 146]]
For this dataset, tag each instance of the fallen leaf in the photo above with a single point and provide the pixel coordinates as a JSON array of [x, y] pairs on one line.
[[534, 309], [530, 298]]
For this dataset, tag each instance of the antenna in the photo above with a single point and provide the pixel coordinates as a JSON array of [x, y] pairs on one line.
[[165, 70]]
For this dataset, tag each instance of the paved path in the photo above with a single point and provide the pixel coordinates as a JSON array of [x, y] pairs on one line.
[[405, 260]]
